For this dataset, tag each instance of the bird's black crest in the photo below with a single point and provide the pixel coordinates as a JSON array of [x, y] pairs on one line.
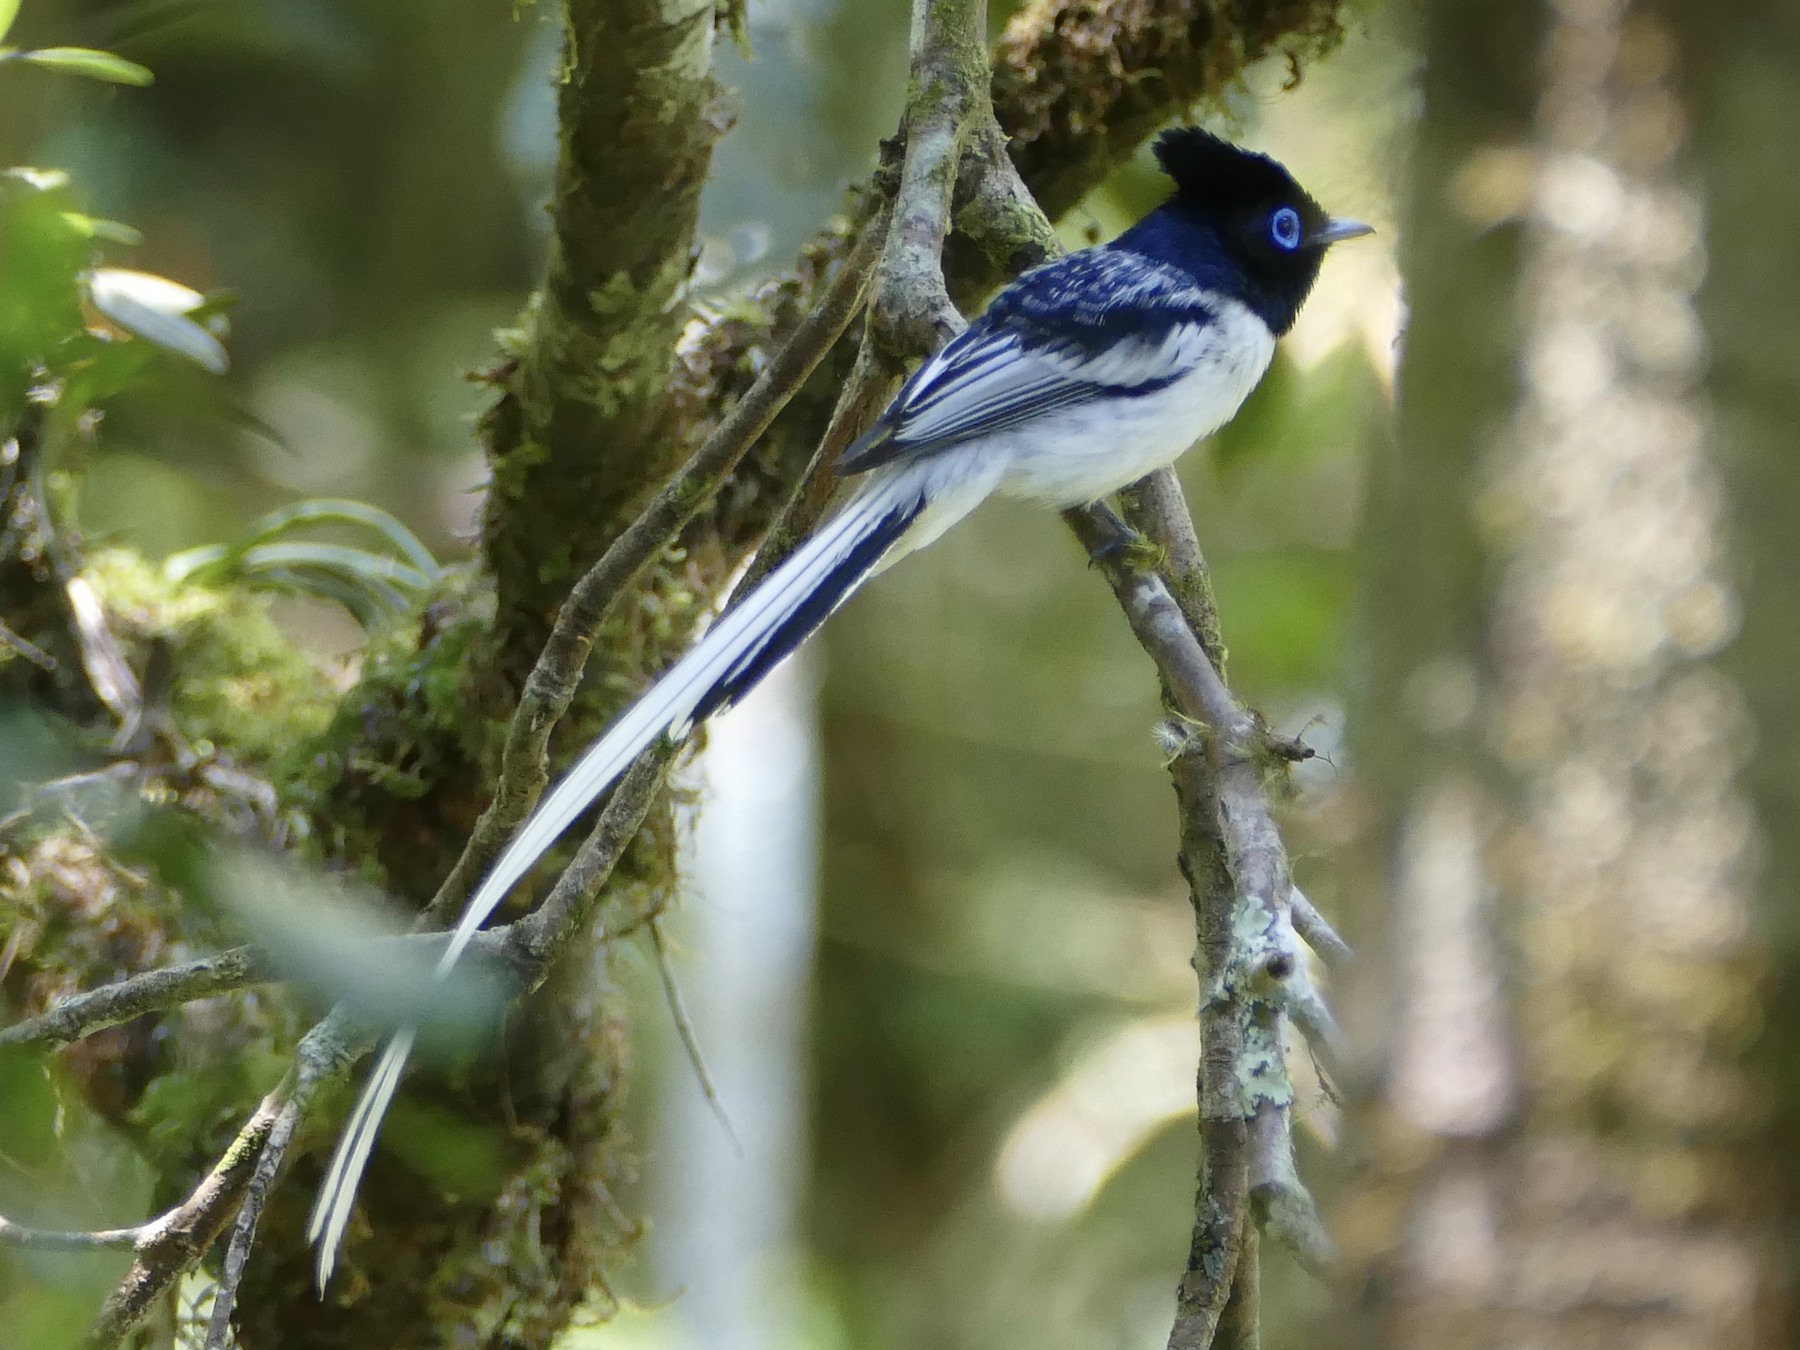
[[1210, 171]]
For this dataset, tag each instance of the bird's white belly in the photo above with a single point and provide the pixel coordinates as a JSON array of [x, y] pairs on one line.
[[1084, 453]]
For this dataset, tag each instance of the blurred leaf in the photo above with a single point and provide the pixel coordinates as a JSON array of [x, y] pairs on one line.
[[28, 1109], [370, 585], [331, 940], [92, 227], [9, 10], [1287, 614], [157, 310], [41, 256], [343, 510], [30, 752], [86, 61], [183, 1111]]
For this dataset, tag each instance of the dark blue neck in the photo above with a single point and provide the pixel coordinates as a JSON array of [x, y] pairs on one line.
[[1187, 241]]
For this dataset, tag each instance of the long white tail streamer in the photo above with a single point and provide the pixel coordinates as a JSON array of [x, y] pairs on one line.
[[890, 502]]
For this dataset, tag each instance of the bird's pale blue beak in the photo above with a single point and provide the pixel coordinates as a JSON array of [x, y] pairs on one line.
[[1336, 231]]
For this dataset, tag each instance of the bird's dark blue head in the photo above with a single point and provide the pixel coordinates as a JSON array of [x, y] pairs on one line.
[[1238, 223]]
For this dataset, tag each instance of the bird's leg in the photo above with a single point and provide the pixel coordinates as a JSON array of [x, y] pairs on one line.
[[1120, 537]]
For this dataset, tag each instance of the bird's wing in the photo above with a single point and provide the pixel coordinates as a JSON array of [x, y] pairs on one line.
[[1096, 324]]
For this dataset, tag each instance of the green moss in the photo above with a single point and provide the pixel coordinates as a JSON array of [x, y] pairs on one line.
[[239, 683]]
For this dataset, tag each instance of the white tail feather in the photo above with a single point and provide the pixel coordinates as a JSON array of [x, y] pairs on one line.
[[666, 705]]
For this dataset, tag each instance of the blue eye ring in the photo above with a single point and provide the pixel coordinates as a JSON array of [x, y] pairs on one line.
[[1284, 228]]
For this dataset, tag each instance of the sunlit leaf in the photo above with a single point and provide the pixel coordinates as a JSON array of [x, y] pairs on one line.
[[93, 227], [9, 10], [44, 180], [95, 65], [156, 309]]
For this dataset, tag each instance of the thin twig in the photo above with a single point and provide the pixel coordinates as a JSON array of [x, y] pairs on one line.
[[684, 1028], [54, 1240], [27, 649], [870, 386], [1158, 508], [308, 1074], [1318, 932], [1283, 1207]]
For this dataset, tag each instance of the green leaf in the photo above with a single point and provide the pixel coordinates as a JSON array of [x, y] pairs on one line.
[[156, 309], [9, 10], [93, 227], [86, 61], [346, 511], [41, 257]]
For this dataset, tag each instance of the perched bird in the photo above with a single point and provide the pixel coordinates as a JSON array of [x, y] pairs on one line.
[[1080, 377]]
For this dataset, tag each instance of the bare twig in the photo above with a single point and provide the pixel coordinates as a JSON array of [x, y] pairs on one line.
[[55, 1240], [1283, 1206], [1318, 932], [1157, 507], [27, 649], [84, 1014], [684, 1028], [871, 385]]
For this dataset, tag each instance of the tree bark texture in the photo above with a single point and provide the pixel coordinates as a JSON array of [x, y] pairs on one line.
[[1561, 1139]]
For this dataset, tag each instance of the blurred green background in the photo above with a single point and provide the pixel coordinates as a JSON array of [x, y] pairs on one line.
[[997, 1079]]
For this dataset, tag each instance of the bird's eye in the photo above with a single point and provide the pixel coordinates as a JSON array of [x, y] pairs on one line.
[[1284, 228]]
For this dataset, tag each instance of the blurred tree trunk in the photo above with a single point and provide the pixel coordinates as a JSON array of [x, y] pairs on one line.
[[1744, 102], [1565, 1141]]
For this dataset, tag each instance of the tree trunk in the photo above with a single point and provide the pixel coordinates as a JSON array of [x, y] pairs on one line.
[[1564, 1130]]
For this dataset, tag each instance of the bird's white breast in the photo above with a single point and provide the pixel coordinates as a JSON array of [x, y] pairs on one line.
[[1086, 452]]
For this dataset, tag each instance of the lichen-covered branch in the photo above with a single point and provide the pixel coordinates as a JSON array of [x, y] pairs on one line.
[[1252, 969], [175, 1243], [153, 991]]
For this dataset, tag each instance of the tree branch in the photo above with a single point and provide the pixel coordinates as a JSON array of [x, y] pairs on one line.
[[175, 1243], [84, 1014]]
